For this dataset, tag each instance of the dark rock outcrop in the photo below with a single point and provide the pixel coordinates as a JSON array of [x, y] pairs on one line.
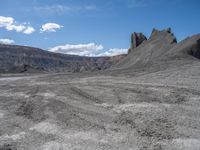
[[195, 50], [136, 40], [156, 34]]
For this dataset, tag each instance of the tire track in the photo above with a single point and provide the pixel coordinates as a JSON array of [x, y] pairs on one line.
[[85, 95]]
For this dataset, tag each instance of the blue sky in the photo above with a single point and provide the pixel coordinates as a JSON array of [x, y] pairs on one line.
[[93, 27]]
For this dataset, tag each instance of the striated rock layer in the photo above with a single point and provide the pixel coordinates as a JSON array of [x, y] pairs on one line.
[[17, 59]]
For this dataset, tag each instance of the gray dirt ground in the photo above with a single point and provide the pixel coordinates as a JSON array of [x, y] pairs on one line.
[[96, 112], [149, 101]]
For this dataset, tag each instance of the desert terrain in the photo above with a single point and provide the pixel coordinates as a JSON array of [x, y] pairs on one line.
[[148, 101]]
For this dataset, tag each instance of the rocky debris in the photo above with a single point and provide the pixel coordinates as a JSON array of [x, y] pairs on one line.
[[8, 147], [73, 114], [136, 40], [31, 110]]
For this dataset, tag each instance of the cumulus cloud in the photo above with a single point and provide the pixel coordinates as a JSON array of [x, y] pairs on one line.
[[114, 52], [29, 30], [6, 41], [10, 24], [5, 21], [17, 28], [50, 27], [90, 49]]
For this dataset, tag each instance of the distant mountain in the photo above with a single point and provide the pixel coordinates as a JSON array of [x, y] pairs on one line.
[[18, 59]]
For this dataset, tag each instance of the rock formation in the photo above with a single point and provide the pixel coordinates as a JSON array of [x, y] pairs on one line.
[[161, 51], [157, 34]]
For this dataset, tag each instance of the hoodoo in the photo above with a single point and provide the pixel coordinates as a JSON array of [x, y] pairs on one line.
[[136, 40]]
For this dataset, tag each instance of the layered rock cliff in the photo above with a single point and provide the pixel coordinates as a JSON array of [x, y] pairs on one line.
[[17, 59]]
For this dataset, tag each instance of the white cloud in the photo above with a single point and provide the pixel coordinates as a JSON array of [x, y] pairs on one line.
[[50, 27], [29, 30], [10, 24], [6, 41], [114, 52], [17, 28], [89, 49], [5, 21]]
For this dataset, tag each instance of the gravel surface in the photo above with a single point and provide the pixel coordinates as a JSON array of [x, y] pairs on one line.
[[71, 112]]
